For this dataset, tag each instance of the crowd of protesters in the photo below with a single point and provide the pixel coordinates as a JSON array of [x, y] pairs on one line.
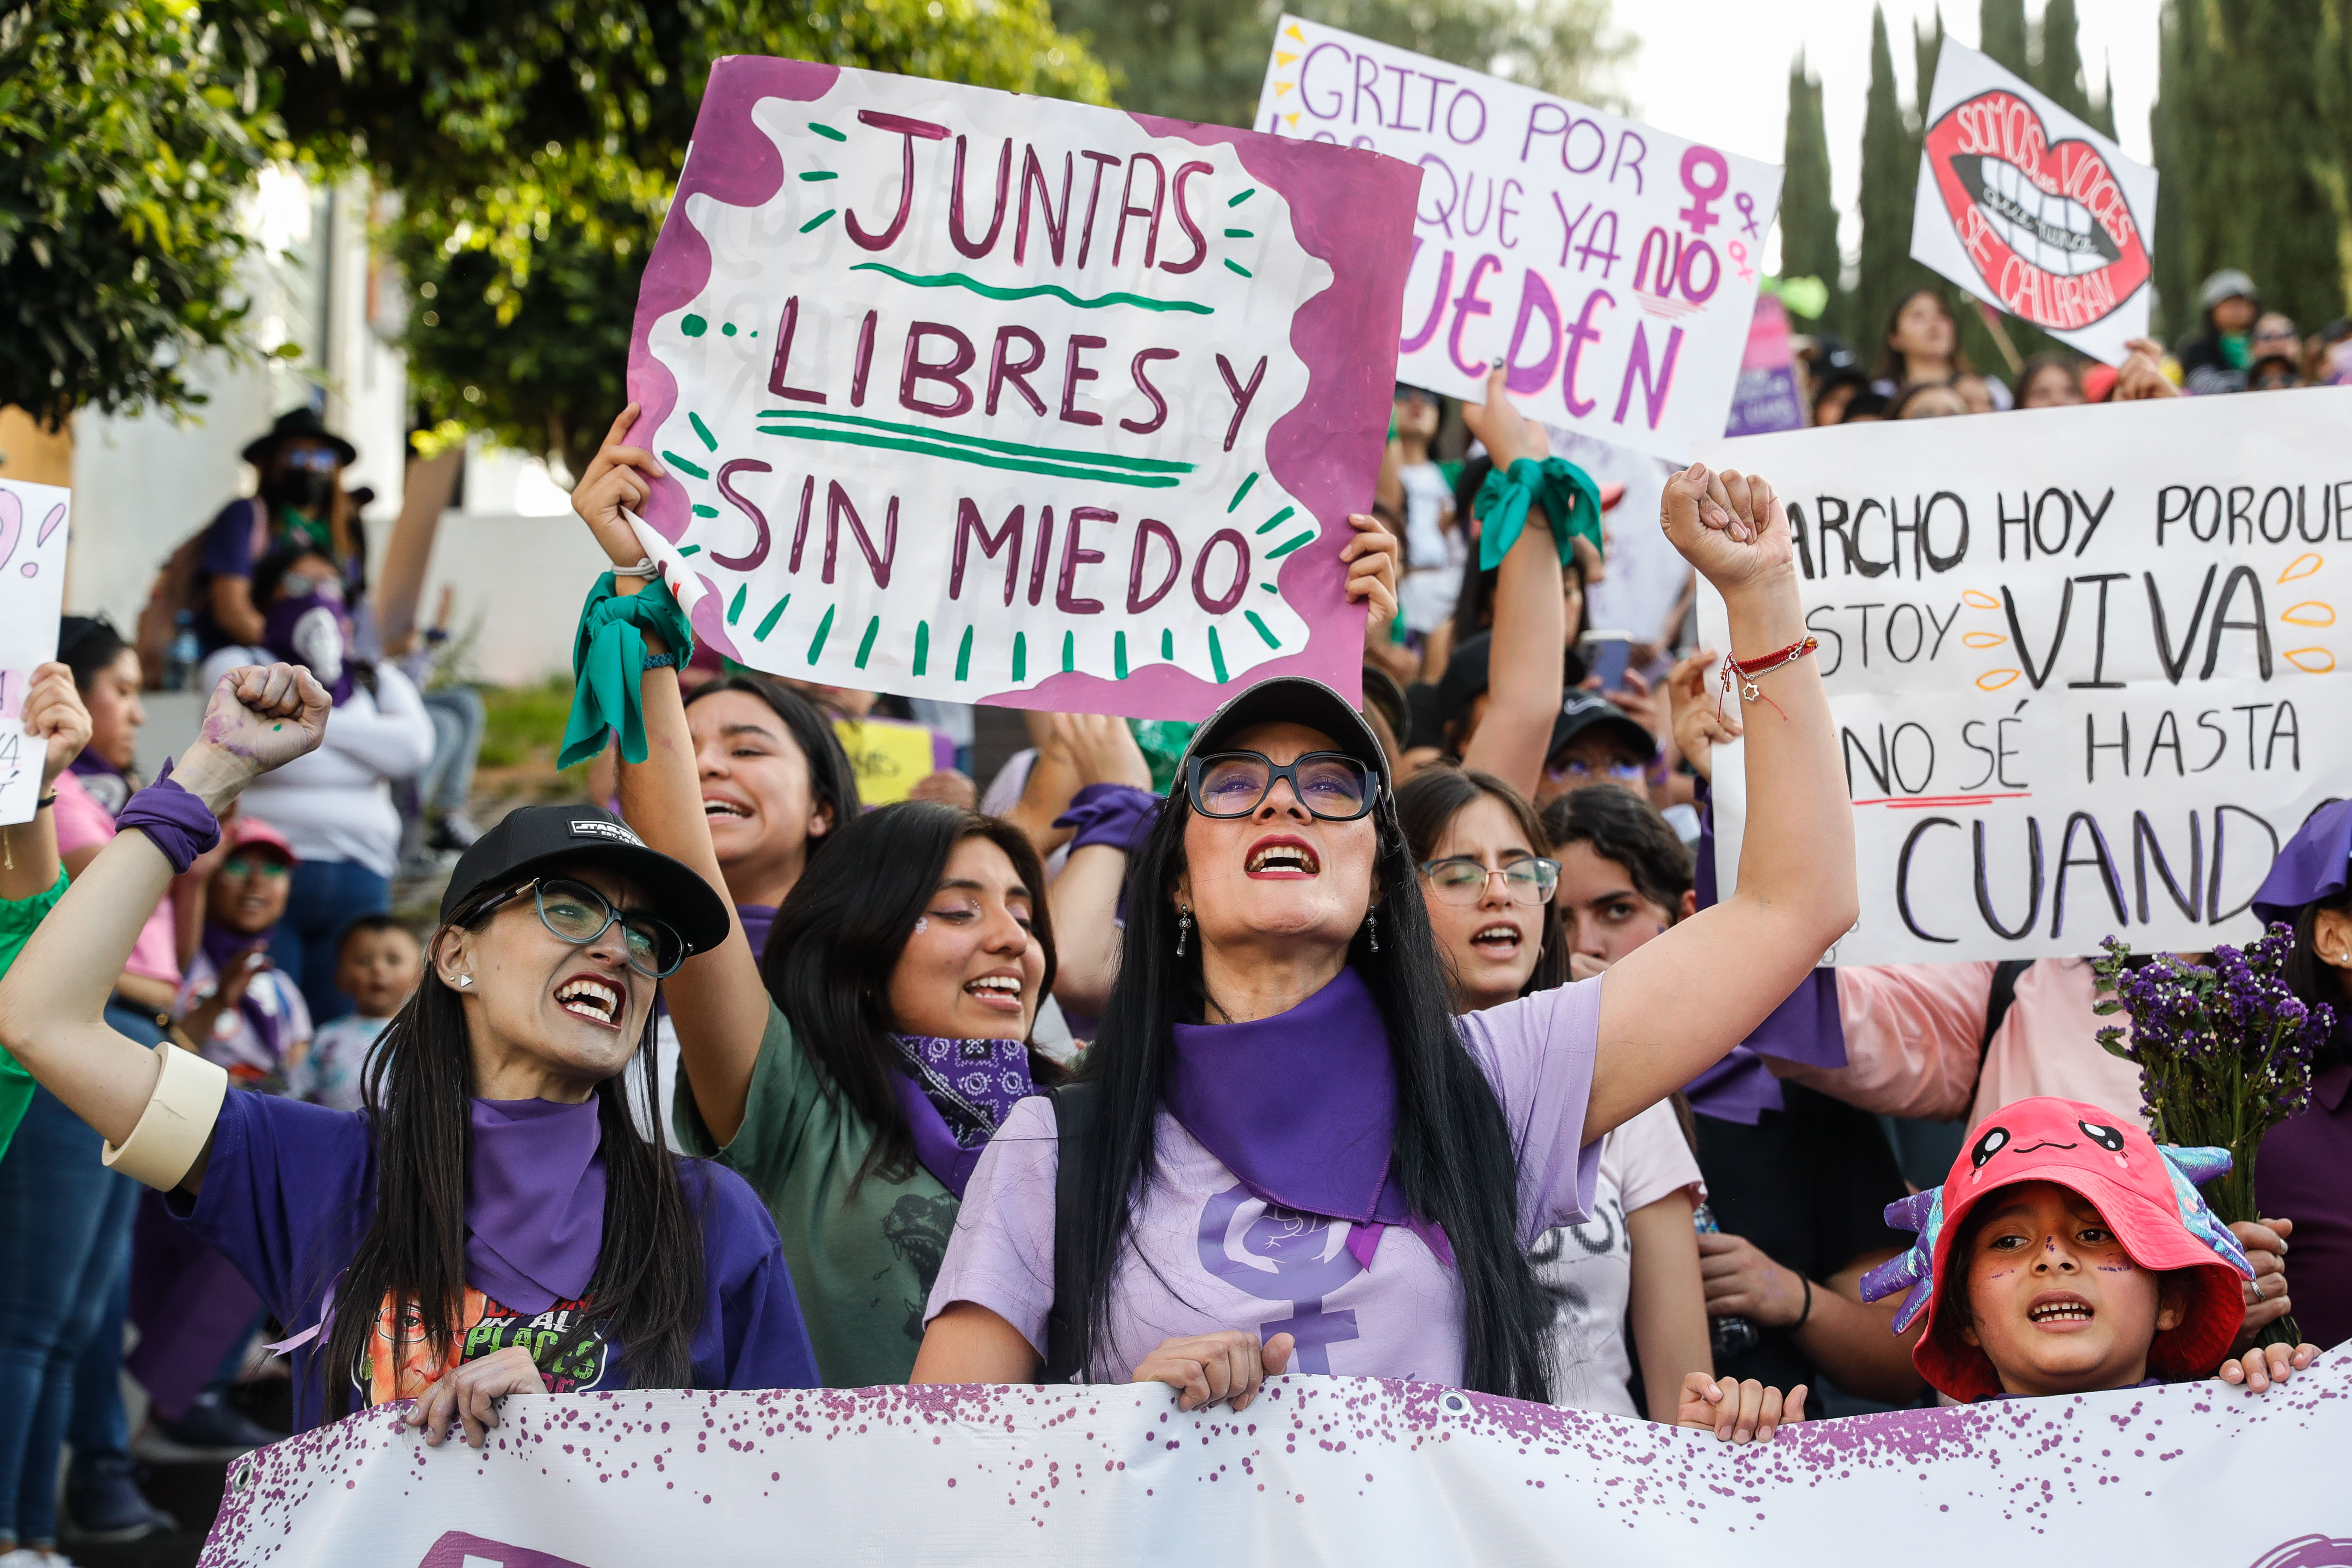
[[1464, 936]]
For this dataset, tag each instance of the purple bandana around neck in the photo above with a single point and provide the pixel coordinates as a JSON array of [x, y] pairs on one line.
[[758, 919], [956, 1093], [308, 631], [1301, 1108], [101, 780], [534, 1201]]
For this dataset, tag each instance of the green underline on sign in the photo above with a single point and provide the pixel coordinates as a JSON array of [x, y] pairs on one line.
[[700, 473], [820, 174], [710, 442], [957, 438], [1168, 644], [824, 630], [735, 607], [1020, 657], [963, 655], [1069, 652], [1242, 492], [1118, 653], [1232, 265], [922, 646], [1217, 656], [990, 291], [1239, 234], [827, 131], [934, 448], [818, 219], [768, 622], [1242, 197], [1287, 546], [701, 510], [865, 643], [689, 549], [1271, 640], [1269, 587], [1277, 519]]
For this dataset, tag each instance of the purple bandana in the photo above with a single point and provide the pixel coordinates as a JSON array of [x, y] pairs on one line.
[[100, 780], [1118, 814], [180, 825], [956, 1093], [1301, 1108], [2310, 868], [309, 631], [758, 919], [221, 946], [534, 1201]]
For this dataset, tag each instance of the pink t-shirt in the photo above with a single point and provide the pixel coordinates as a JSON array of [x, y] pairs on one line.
[[1219, 1259], [83, 824]]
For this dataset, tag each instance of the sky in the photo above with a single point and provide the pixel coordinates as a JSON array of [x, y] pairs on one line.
[[1718, 71]]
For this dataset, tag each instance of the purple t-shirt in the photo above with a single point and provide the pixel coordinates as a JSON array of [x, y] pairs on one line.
[[289, 1194], [1212, 1257]]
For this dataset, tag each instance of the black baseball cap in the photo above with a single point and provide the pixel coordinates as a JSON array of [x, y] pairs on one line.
[[1292, 700], [537, 839], [1582, 710]]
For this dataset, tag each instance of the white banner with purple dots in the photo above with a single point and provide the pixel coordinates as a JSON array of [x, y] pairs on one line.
[[1321, 1470], [987, 397]]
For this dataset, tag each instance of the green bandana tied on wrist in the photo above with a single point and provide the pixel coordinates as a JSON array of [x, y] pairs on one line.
[[608, 661], [1565, 491]]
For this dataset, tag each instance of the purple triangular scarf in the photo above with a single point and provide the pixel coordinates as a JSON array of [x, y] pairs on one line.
[[956, 1093], [534, 1201], [1301, 1108], [105, 783]]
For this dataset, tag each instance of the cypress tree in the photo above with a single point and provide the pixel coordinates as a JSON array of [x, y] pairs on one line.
[[1890, 171], [2169, 118], [1809, 219], [2000, 29], [2058, 67]]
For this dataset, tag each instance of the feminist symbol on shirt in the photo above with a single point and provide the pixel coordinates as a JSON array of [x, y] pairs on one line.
[[1281, 1255]]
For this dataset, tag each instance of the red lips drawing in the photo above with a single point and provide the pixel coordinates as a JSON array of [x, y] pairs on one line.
[[2048, 225]]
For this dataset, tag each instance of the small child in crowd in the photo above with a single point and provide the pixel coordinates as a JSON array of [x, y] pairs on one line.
[[2066, 1253], [378, 963], [234, 1008]]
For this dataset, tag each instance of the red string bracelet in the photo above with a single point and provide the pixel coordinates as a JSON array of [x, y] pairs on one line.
[[1752, 670]]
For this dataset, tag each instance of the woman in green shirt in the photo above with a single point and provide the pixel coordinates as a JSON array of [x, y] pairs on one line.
[[32, 878]]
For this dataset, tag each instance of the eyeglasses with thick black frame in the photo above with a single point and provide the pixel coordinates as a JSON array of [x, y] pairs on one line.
[[579, 914], [1462, 879], [1331, 785]]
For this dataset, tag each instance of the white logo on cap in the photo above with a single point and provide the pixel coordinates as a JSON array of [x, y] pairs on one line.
[[593, 828]]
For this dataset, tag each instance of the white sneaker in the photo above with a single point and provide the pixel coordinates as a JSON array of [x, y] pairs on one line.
[[30, 1557]]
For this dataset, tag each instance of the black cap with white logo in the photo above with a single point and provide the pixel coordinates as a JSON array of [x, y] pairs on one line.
[[540, 840]]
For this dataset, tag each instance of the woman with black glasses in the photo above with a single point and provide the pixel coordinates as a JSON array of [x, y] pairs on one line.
[[1284, 1152], [493, 1223]]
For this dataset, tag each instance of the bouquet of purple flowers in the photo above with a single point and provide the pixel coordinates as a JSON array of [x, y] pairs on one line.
[[2225, 1052]]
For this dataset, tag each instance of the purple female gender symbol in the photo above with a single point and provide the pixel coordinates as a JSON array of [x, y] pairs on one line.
[[1280, 1255], [1697, 215]]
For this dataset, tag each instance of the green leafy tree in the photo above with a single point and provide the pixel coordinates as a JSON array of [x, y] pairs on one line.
[[533, 147], [1808, 218], [129, 129], [2002, 34], [1890, 172], [1205, 59]]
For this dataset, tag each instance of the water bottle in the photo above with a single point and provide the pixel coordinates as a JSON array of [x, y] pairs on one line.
[[1732, 1336], [180, 660]]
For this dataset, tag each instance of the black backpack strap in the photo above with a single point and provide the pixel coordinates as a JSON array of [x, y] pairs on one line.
[[2004, 995], [1073, 1115]]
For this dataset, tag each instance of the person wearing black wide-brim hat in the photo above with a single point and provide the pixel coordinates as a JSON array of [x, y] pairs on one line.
[[300, 499], [493, 1222]]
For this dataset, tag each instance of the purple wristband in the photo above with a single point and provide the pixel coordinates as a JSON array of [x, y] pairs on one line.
[[181, 826], [1113, 814]]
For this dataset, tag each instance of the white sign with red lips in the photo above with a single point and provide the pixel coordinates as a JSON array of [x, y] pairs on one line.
[[2022, 204]]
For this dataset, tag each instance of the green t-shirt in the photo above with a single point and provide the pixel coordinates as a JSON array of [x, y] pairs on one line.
[[862, 1261], [19, 917]]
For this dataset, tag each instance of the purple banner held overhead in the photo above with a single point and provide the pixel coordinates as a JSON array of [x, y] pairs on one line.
[[1767, 398]]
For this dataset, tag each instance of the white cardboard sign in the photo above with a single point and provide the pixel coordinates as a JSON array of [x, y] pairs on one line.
[[1615, 264], [2023, 204], [33, 527], [2086, 663]]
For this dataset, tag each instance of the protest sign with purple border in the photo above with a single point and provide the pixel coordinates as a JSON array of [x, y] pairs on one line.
[[995, 398], [1615, 264]]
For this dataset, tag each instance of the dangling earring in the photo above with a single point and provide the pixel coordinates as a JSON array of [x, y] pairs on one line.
[[1372, 928], [1184, 929]]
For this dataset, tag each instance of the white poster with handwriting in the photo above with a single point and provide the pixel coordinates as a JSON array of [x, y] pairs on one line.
[[1613, 264], [33, 526], [2086, 663]]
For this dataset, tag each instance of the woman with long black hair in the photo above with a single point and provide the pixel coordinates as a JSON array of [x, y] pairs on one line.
[[494, 1175], [1286, 1150]]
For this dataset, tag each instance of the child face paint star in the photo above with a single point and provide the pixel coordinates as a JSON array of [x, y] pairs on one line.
[[2053, 1300]]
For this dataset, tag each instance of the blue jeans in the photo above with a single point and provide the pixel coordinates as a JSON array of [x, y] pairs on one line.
[[458, 720], [327, 896], [64, 1229], [99, 1426]]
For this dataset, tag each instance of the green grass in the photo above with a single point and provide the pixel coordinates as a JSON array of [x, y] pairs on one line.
[[525, 722]]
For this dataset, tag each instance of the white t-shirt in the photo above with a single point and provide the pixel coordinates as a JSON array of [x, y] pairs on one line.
[[1433, 553], [1591, 1264]]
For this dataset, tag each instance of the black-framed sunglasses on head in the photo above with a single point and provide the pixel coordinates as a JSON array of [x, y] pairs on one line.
[[579, 914], [1459, 879], [1329, 785]]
